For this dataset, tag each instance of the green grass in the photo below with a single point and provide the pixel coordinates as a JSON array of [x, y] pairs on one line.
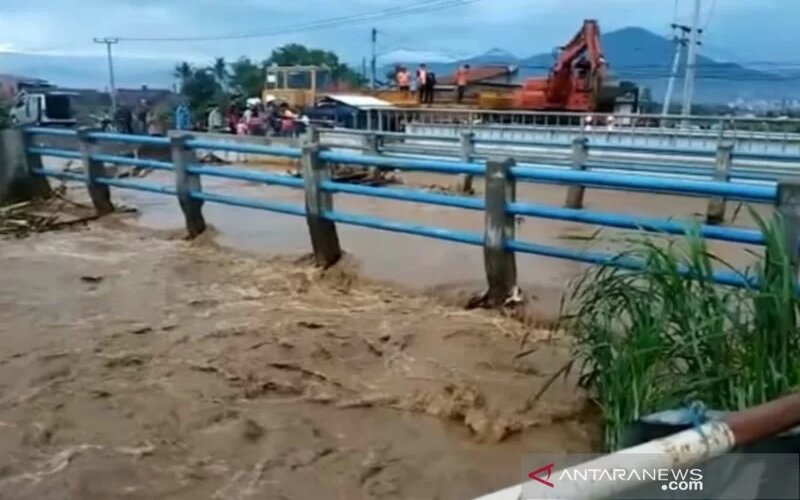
[[652, 340]]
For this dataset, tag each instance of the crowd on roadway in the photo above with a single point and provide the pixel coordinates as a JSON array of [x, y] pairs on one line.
[[253, 117], [268, 117], [424, 83]]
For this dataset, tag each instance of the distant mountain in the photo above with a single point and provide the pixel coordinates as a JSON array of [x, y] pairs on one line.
[[494, 56], [638, 55], [634, 54], [89, 71]]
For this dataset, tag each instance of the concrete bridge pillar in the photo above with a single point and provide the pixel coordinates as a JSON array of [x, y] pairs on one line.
[[715, 214], [580, 154]]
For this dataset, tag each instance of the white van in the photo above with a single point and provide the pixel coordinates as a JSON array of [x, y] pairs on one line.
[[43, 108]]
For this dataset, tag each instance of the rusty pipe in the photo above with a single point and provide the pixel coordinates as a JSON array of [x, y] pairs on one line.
[[762, 421]]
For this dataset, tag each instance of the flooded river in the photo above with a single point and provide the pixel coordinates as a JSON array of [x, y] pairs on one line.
[[423, 263]]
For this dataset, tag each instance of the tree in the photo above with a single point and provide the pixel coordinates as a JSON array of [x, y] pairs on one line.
[[183, 71], [300, 55], [201, 89], [220, 71], [247, 78]]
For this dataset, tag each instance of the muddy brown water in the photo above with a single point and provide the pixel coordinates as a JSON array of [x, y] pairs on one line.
[[446, 267], [138, 365], [135, 365]]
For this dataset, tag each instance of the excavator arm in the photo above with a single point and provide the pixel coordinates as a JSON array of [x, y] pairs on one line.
[[586, 41], [577, 78]]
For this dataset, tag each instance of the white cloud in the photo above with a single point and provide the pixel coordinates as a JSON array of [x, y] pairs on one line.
[[521, 26]]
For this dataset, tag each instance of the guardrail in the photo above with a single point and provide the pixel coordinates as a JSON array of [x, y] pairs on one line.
[[718, 163], [767, 135], [748, 163], [696, 125], [499, 203]]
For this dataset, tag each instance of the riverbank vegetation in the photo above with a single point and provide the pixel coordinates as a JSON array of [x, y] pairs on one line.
[[652, 340]]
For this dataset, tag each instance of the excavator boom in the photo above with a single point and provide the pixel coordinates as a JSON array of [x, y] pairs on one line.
[[575, 79]]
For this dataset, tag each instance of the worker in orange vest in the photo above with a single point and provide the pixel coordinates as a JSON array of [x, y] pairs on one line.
[[403, 81], [422, 81], [462, 77]]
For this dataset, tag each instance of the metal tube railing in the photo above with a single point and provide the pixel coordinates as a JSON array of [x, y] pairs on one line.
[[319, 189], [134, 162], [648, 183], [247, 175], [278, 151]]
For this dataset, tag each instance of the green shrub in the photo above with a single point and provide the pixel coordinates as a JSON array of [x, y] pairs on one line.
[[652, 340]]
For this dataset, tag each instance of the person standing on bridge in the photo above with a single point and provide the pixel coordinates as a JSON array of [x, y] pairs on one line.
[[430, 87], [422, 83], [403, 81], [462, 77]]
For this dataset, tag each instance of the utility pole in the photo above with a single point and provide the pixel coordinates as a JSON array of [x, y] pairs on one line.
[[680, 43], [374, 61], [112, 87], [691, 61], [364, 68]]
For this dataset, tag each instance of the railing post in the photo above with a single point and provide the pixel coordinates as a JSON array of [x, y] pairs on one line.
[[99, 193], [371, 147], [580, 153], [185, 183], [500, 263], [324, 239], [467, 155], [715, 214], [788, 206]]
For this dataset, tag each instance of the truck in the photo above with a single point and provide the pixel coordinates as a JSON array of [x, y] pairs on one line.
[[48, 108]]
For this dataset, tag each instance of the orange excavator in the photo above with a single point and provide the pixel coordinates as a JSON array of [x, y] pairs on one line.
[[576, 80]]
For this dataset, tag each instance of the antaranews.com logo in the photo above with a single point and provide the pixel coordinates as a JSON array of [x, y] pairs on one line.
[[633, 476], [668, 479]]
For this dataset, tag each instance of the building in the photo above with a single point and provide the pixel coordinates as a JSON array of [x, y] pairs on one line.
[[10, 85]]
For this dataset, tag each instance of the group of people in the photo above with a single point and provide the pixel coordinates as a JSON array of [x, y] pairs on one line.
[[143, 119], [425, 82], [251, 118], [256, 118]]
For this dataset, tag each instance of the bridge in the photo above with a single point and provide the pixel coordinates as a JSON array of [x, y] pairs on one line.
[[748, 135], [503, 173], [500, 206]]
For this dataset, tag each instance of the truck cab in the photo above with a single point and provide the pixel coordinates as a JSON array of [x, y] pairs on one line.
[[298, 86], [43, 109]]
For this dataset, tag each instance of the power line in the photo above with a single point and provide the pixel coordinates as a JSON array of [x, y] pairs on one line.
[[392, 13], [710, 14]]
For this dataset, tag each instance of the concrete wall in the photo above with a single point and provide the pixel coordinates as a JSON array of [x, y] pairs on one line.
[[16, 184]]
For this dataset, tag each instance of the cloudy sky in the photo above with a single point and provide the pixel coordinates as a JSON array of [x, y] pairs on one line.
[[744, 30]]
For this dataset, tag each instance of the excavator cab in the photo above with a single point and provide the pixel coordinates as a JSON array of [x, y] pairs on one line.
[[577, 80]]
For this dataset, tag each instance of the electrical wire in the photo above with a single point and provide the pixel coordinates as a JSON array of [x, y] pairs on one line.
[[709, 15], [415, 8]]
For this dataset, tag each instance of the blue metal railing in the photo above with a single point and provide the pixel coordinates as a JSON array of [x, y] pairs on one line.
[[534, 173]]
